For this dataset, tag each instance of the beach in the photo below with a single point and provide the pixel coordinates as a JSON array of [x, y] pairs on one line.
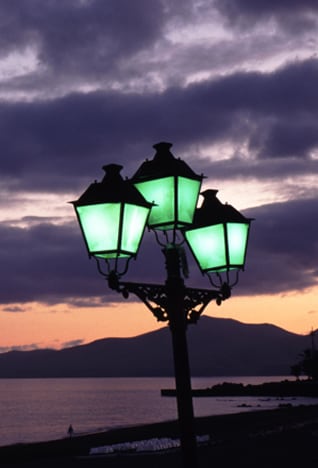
[[286, 436]]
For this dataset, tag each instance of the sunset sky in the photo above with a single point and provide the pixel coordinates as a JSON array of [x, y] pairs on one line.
[[233, 84]]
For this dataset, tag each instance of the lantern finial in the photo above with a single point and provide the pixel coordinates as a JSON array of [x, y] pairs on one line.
[[163, 148], [112, 171]]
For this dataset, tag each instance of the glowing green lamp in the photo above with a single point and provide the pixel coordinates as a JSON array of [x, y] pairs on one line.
[[112, 215], [218, 236], [171, 185]]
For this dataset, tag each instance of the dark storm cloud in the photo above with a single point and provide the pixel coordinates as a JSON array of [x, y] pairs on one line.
[[48, 263], [294, 15], [66, 33], [44, 263], [285, 139], [238, 169], [49, 145], [76, 43], [283, 247]]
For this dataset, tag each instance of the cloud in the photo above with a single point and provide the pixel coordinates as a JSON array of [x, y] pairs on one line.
[[54, 145], [72, 344], [291, 14], [13, 309], [100, 82], [65, 33], [115, 45], [283, 248], [28, 347], [82, 44], [86, 302], [48, 262], [45, 263]]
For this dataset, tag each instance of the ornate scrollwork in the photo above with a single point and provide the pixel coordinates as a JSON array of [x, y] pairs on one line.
[[155, 297]]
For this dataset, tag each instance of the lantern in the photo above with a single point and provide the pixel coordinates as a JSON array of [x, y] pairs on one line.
[[171, 185], [218, 236], [112, 215]]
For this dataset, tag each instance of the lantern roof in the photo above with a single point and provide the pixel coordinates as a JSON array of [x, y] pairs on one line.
[[164, 164], [213, 210], [112, 189]]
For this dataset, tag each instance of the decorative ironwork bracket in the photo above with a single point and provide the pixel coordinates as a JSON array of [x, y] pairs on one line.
[[154, 296]]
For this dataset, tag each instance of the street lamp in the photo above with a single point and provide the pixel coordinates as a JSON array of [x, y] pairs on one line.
[[112, 215], [218, 238], [163, 195]]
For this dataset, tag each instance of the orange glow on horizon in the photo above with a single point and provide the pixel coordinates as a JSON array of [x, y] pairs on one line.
[[58, 326], [296, 312], [55, 326]]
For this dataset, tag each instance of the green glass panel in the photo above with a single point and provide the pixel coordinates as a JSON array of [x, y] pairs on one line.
[[115, 254], [160, 192], [100, 224], [237, 238], [188, 192], [134, 222], [208, 246]]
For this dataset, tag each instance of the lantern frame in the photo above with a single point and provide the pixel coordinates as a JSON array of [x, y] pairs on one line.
[[218, 236], [112, 215], [172, 186]]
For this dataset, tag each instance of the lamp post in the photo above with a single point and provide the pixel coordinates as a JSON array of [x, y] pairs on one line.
[[163, 195]]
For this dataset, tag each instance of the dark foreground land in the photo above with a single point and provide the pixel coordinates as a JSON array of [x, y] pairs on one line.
[[284, 437]]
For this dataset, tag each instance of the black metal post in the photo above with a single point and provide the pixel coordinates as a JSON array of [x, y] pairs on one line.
[[177, 304], [175, 290]]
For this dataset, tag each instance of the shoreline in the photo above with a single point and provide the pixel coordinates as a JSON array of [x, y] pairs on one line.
[[271, 428], [284, 388]]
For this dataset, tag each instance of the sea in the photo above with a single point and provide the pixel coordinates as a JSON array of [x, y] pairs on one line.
[[33, 410]]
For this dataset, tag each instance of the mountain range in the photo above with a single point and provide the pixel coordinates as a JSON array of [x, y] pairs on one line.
[[217, 347]]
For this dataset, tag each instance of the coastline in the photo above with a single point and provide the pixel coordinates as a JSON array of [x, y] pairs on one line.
[[285, 436], [284, 388]]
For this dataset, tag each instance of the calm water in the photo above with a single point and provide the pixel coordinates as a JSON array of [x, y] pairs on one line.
[[42, 409]]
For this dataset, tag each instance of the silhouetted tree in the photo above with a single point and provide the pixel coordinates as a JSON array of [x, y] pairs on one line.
[[308, 364], [296, 370]]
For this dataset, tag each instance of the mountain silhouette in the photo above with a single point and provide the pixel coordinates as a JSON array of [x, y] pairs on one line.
[[217, 347]]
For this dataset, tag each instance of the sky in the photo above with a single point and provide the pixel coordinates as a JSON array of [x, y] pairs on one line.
[[83, 83]]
